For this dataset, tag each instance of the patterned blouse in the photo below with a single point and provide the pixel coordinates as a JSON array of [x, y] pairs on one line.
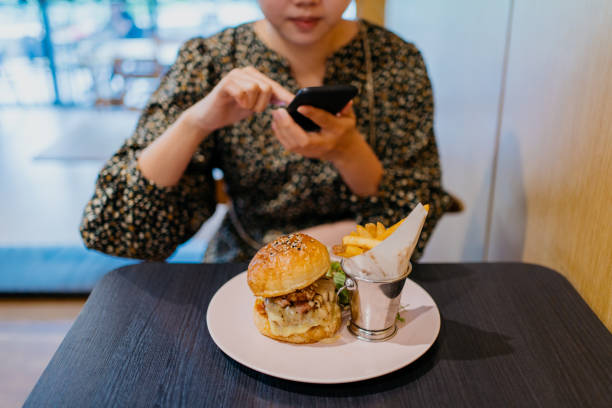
[[273, 191]]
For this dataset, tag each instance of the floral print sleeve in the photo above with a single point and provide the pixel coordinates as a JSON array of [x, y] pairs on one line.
[[129, 215]]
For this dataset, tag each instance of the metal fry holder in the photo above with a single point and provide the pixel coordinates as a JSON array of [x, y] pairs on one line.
[[374, 305]]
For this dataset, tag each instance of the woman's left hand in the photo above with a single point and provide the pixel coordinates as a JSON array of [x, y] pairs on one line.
[[339, 141], [338, 132]]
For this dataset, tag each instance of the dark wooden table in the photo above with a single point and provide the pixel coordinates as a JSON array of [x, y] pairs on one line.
[[512, 335]]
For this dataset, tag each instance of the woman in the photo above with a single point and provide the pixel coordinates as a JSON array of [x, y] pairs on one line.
[[218, 106]]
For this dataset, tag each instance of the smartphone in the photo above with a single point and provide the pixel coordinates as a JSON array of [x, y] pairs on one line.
[[331, 98]]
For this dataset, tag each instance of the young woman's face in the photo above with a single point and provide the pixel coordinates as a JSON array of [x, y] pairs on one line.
[[303, 22]]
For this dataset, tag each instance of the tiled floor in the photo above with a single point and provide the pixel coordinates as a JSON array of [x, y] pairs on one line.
[[41, 202]]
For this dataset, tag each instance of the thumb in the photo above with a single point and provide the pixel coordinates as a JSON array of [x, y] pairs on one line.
[[280, 96]]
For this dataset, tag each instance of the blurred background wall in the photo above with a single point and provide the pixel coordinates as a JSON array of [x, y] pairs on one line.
[[523, 96], [463, 44]]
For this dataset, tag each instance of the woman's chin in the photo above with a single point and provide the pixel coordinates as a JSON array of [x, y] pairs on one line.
[[302, 36]]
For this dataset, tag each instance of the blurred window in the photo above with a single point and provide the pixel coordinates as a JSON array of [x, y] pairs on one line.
[[102, 52]]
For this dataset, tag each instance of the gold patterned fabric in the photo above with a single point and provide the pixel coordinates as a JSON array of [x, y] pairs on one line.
[[273, 191]]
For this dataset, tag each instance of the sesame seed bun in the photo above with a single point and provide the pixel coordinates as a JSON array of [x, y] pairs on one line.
[[287, 264]]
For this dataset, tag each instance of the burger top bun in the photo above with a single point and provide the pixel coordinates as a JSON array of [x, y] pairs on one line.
[[287, 264]]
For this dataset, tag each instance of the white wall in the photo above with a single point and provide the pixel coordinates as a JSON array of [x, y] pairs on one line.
[[463, 45], [553, 191]]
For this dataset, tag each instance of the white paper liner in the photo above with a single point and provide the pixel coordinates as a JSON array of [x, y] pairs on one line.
[[390, 258]]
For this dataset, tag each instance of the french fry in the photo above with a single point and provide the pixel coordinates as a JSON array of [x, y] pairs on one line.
[[366, 237], [352, 250], [363, 242], [391, 229], [363, 232], [338, 249], [347, 251], [371, 228]]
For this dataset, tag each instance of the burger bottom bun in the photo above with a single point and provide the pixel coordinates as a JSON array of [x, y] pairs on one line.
[[326, 329]]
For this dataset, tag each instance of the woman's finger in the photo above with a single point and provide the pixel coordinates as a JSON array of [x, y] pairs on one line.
[[347, 110], [264, 89], [280, 95], [263, 99], [319, 116], [252, 90], [280, 133], [277, 133], [285, 122], [236, 90]]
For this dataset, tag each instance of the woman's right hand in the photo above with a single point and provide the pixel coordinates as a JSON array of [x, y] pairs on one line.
[[237, 96]]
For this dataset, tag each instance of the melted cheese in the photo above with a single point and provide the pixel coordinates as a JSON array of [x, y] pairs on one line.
[[287, 321]]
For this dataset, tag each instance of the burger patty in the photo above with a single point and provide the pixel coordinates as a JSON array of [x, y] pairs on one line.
[[299, 296], [302, 299], [304, 308]]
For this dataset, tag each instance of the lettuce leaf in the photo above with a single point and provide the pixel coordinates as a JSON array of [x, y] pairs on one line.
[[339, 277]]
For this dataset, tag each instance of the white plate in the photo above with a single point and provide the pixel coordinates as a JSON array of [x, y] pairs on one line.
[[338, 360]]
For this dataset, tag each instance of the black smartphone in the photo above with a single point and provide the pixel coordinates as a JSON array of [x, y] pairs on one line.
[[331, 98]]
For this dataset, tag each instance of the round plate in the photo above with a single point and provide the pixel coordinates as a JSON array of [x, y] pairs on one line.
[[340, 359]]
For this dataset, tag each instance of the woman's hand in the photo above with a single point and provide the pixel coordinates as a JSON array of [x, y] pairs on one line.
[[338, 132], [238, 95], [339, 141]]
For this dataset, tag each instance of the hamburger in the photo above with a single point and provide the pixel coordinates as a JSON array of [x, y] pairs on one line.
[[295, 302]]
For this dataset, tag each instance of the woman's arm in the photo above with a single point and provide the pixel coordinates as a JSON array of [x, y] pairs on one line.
[[237, 96], [164, 161], [154, 193], [358, 165], [131, 215]]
